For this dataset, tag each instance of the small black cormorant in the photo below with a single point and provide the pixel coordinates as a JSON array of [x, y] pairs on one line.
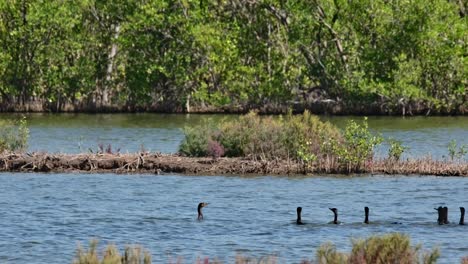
[[335, 212], [462, 216], [200, 206], [298, 221], [446, 221], [366, 212], [440, 212]]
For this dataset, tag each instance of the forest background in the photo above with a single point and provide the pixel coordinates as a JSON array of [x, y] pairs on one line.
[[329, 56]]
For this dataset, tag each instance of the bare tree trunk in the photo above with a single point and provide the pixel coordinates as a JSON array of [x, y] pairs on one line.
[[110, 67]]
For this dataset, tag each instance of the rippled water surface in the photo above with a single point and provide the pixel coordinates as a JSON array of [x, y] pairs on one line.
[[44, 216]]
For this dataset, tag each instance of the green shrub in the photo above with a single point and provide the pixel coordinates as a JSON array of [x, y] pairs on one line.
[[395, 150], [111, 255], [357, 146], [14, 135], [196, 139], [307, 137], [297, 137], [254, 136]]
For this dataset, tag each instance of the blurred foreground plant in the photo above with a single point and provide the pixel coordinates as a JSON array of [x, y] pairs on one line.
[[111, 255]]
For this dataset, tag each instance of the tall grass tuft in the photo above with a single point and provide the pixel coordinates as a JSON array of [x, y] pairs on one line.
[[111, 255]]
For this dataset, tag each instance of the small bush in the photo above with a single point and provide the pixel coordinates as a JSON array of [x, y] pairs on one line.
[[303, 138], [215, 150], [297, 137], [357, 146], [14, 135], [456, 152], [196, 138], [111, 255], [396, 149]]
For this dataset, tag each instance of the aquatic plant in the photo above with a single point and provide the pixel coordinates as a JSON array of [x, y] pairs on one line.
[[111, 255], [14, 135]]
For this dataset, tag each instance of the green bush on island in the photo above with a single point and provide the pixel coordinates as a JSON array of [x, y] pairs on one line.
[[13, 135], [396, 149], [262, 137], [303, 138], [456, 152]]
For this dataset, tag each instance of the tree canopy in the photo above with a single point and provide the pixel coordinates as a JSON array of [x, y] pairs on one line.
[[399, 56]]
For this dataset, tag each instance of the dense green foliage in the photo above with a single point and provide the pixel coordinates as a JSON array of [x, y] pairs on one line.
[[13, 135], [404, 56], [303, 138]]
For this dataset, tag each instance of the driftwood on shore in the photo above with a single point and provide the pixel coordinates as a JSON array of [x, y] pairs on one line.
[[169, 163]]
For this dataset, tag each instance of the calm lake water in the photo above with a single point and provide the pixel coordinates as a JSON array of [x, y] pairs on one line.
[[44, 216]]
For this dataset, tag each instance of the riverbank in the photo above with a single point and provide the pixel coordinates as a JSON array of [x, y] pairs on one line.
[[316, 105], [169, 163]]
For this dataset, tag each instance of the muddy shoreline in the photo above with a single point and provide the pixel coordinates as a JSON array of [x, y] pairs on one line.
[[156, 163]]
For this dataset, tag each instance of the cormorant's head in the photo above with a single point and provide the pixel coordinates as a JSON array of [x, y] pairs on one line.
[[299, 210], [462, 209], [334, 210], [366, 209], [201, 205]]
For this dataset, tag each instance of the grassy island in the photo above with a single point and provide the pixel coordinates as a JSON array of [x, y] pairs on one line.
[[253, 144]]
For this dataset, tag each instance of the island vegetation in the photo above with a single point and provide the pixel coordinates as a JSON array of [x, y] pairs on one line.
[[330, 56], [377, 249], [252, 144]]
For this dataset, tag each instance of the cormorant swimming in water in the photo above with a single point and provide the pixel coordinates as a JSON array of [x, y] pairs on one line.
[[298, 221], [462, 216], [440, 212], [366, 212], [335, 212], [446, 221], [200, 206]]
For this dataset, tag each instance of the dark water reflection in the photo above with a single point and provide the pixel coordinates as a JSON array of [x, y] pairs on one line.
[[43, 216], [73, 133]]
